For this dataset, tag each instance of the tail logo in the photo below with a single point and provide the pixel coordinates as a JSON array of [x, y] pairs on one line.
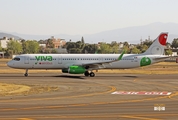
[[162, 39], [145, 61]]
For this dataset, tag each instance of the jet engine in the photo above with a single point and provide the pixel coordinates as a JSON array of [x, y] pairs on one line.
[[74, 70]]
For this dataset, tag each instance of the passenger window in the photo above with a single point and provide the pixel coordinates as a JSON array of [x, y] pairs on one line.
[[16, 59]]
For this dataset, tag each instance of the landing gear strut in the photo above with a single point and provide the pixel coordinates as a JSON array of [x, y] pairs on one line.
[[26, 73], [92, 74]]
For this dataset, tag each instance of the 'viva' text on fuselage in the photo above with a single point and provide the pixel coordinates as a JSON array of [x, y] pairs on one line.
[[44, 58]]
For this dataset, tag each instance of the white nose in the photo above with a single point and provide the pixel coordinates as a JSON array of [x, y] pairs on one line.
[[10, 64]]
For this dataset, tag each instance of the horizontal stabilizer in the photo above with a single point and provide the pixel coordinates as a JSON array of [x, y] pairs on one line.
[[161, 58]]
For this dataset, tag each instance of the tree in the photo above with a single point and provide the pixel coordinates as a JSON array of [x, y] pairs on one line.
[[23, 46], [90, 48], [31, 46], [168, 45], [73, 47], [174, 43], [41, 49], [74, 50], [104, 48], [114, 48], [83, 43], [135, 50], [142, 48], [168, 52], [70, 45], [82, 40], [47, 50], [14, 47], [114, 43], [50, 43], [126, 44], [79, 44], [53, 51], [126, 49], [147, 42], [42, 41], [0, 47]]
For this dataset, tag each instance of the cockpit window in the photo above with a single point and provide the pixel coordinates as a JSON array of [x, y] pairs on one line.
[[16, 59]]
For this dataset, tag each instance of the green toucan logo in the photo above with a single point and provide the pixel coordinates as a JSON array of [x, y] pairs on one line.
[[44, 58], [145, 61]]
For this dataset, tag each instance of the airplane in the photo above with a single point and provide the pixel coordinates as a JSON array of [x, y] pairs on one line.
[[86, 63]]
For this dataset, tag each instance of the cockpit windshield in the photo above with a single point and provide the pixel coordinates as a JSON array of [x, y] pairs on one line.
[[16, 59]]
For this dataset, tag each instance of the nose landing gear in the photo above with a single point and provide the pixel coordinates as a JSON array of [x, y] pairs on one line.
[[26, 73]]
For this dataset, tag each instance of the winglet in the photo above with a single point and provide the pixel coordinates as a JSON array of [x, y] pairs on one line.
[[120, 57]]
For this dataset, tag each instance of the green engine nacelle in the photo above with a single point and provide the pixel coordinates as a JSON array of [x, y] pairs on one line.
[[74, 70]]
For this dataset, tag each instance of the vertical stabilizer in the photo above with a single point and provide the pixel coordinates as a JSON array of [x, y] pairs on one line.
[[157, 47]]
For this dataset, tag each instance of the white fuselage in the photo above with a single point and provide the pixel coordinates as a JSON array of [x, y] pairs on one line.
[[59, 61], [85, 63]]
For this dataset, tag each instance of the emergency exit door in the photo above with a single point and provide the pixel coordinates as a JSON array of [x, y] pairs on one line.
[[26, 61], [60, 60]]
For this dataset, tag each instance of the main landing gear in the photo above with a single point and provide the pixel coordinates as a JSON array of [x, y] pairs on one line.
[[91, 74], [26, 73]]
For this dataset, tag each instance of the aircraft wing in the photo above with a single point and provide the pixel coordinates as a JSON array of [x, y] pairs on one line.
[[101, 64], [161, 58]]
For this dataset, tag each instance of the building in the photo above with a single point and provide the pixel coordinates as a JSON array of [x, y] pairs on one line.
[[57, 42], [42, 45], [174, 51], [1, 54], [61, 50], [4, 41]]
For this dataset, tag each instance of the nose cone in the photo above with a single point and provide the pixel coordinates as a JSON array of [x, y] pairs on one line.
[[10, 64]]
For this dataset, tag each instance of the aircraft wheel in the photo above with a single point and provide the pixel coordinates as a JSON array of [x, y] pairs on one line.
[[86, 73], [92, 74], [26, 74]]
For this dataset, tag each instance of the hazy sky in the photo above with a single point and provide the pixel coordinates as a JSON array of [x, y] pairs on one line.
[[45, 17]]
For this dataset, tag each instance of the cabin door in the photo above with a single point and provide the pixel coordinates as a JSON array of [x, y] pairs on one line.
[[100, 59], [26, 61], [59, 59]]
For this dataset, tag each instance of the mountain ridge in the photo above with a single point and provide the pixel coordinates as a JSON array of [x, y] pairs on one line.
[[2, 34], [131, 34]]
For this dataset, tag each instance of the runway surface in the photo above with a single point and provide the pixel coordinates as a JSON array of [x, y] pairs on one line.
[[80, 97]]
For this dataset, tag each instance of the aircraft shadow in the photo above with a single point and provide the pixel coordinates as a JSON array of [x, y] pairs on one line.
[[35, 76], [105, 77], [118, 76], [131, 76], [68, 76]]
